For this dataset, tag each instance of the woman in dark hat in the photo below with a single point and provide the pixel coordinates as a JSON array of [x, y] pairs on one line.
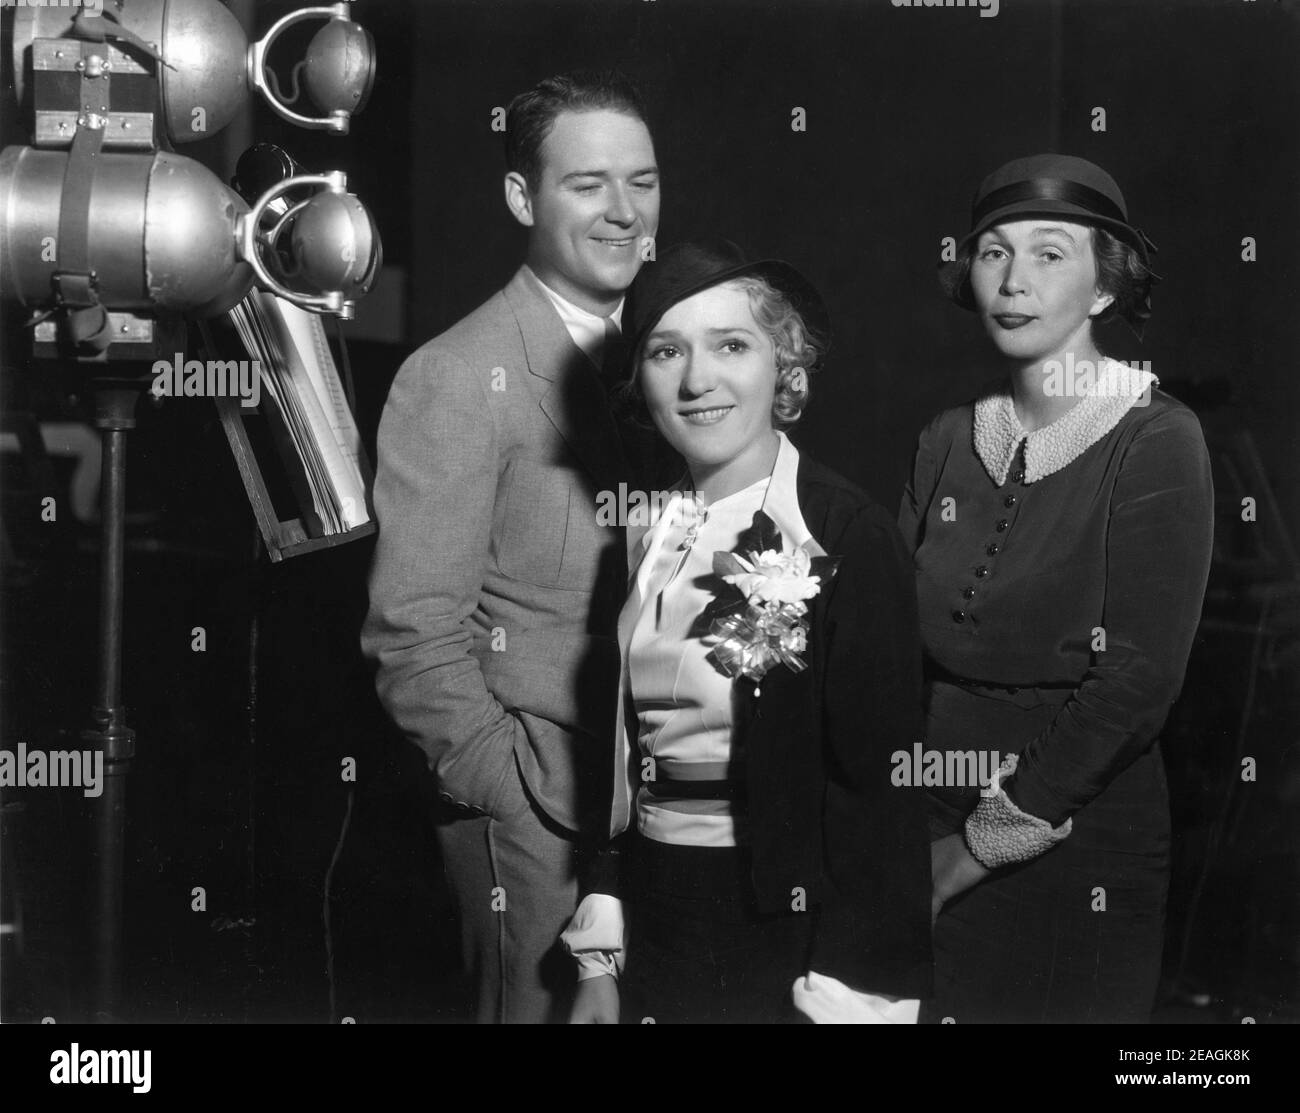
[[1061, 525], [771, 668]]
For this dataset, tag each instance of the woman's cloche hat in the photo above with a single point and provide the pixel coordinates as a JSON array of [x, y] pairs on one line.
[[687, 268], [1055, 185]]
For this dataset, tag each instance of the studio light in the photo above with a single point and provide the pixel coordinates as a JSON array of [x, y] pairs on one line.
[[161, 231], [110, 239], [101, 216], [205, 62], [164, 233]]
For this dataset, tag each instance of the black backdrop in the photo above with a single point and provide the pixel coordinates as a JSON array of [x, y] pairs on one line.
[[907, 109], [238, 789]]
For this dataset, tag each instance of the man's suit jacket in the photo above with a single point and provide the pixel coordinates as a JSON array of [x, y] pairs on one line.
[[495, 586], [828, 828]]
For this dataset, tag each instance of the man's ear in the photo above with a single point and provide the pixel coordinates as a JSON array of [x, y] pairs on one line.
[[519, 199]]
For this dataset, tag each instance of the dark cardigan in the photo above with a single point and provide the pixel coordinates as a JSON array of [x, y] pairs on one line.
[[827, 824]]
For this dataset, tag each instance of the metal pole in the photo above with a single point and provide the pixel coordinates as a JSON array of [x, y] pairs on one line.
[[114, 415]]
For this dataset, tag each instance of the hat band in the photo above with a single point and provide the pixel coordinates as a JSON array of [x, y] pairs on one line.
[[1048, 189]]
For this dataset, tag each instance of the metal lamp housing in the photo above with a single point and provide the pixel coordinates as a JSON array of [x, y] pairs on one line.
[[210, 64], [340, 69], [205, 84], [336, 245], [162, 231]]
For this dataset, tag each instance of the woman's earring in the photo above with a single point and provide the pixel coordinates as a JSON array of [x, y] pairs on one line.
[[798, 380]]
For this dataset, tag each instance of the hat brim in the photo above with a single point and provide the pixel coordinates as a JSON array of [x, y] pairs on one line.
[[1075, 214]]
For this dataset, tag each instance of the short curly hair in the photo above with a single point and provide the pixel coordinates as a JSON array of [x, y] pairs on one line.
[[797, 346], [1121, 273]]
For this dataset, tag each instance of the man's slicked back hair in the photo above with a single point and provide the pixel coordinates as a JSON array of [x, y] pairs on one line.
[[531, 115]]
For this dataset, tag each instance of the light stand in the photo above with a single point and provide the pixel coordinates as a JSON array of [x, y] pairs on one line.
[[115, 405], [110, 238]]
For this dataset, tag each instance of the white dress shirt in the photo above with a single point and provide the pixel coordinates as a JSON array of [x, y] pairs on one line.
[[586, 329]]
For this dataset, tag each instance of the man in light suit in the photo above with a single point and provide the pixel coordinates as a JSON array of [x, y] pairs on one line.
[[496, 586]]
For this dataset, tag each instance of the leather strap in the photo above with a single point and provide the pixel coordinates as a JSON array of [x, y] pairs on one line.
[[76, 286], [105, 27]]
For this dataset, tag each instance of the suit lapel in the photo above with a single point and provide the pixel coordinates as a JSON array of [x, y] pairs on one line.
[[573, 398]]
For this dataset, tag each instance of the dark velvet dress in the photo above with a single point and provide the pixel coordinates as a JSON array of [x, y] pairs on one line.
[[1060, 584]]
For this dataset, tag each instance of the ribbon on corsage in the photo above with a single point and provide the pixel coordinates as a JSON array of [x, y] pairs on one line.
[[768, 624]]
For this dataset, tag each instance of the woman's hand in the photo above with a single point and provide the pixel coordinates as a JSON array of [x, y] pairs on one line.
[[953, 870], [596, 1001]]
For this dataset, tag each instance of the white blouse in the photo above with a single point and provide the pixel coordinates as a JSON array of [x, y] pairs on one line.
[[683, 702]]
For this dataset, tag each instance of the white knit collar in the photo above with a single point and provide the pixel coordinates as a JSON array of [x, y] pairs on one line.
[[997, 431]]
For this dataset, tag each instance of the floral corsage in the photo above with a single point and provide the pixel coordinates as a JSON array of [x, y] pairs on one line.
[[768, 624]]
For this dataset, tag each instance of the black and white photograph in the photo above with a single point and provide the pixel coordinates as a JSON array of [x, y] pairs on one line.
[[731, 512]]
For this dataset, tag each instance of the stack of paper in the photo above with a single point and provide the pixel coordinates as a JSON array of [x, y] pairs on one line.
[[308, 412]]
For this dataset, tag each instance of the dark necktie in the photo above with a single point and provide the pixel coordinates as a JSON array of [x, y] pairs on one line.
[[612, 354]]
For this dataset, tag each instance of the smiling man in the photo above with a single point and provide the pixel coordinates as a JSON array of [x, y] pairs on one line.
[[496, 584]]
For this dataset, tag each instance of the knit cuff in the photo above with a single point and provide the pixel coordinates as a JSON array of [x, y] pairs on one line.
[[999, 834]]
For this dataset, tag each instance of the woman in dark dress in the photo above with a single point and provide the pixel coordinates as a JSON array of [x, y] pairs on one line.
[[772, 870], [1061, 525]]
